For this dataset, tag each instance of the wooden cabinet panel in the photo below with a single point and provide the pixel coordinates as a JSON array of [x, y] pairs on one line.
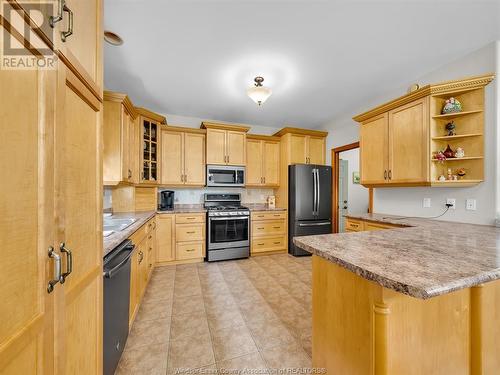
[[172, 169], [27, 226], [189, 250], [254, 162], [316, 150], [260, 245], [194, 159], [298, 146], [374, 150], [83, 48], [236, 148], [408, 143], [187, 232], [271, 163], [133, 150], [353, 225], [134, 286], [165, 238], [268, 215], [216, 146]]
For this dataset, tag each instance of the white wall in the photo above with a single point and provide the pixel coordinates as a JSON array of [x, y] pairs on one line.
[[408, 201], [357, 193]]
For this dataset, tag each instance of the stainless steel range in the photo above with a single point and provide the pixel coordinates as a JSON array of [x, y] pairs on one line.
[[228, 227]]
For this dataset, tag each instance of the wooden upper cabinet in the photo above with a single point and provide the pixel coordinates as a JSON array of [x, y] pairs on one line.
[[172, 169], [373, 141], [226, 144], [315, 150], [183, 157], [298, 145], [236, 152], [216, 146], [150, 144], [409, 143], [120, 139], [263, 161]]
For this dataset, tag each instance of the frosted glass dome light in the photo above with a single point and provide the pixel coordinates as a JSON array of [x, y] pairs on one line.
[[258, 93]]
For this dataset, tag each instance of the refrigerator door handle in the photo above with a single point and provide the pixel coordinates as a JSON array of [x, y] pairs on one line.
[[315, 198], [318, 197], [315, 224]]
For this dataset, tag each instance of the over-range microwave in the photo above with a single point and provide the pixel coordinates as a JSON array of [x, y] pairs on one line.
[[225, 175]]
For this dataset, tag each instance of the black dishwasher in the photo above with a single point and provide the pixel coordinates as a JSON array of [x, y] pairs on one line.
[[116, 266]]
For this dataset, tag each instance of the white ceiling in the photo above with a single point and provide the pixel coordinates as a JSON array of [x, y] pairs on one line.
[[197, 58]]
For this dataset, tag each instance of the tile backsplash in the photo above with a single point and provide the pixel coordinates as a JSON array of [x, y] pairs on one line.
[[194, 196]]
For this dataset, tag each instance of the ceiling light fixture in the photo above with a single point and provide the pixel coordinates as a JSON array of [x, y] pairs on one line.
[[112, 38], [258, 93]]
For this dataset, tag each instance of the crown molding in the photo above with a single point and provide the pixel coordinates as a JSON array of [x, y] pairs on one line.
[[287, 130], [118, 97], [221, 126], [261, 137], [152, 115]]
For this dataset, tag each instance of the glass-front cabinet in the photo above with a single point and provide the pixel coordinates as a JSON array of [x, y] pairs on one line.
[[150, 147]]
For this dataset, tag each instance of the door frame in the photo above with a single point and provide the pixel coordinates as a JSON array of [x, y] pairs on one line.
[[335, 152]]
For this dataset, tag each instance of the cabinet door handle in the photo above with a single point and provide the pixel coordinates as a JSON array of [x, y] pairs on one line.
[[55, 19], [129, 173], [57, 269], [69, 261], [277, 227], [264, 179], [192, 232], [185, 178], [390, 174], [385, 175], [69, 32], [261, 244]]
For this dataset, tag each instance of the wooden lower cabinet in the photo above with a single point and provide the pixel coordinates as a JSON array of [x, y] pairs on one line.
[[357, 225], [180, 238], [268, 232]]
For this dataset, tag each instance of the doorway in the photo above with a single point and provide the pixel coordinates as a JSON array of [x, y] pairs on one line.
[[348, 195]]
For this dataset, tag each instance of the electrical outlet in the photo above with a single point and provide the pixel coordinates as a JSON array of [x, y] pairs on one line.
[[451, 201], [426, 202], [470, 204]]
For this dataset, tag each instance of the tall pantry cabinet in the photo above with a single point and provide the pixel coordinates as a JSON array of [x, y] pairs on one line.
[[51, 199]]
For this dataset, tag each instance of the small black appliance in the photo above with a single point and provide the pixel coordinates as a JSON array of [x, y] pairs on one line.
[[166, 200]]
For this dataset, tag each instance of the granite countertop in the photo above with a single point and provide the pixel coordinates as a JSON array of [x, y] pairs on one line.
[[261, 207], [185, 209], [117, 238], [423, 259]]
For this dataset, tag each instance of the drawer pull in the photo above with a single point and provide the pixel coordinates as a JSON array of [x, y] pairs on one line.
[[277, 227], [150, 237], [277, 243], [260, 216], [261, 244], [277, 214], [190, 218], [190, 250], [260, 228], [191, 232]]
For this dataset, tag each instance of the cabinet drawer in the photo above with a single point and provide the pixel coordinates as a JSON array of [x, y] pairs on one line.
[[353, 225], [269, 215], [260, 245], [372, 226], [189, 250], [189, 218], [268, 228], [186, 232]]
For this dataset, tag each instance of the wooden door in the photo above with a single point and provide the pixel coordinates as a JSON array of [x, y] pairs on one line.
[[298, 150], [27, 100], [143, 267], [408, 143], [194, 159], [373, 143], [216, 146], [83, 49], [134, 284], [254, 173], [172, 156], [79, 212], [316, 150], [165, 238], [271, 164], [236, 150]]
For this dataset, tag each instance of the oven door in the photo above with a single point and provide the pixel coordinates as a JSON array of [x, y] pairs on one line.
[[224, 232], [222, 175]]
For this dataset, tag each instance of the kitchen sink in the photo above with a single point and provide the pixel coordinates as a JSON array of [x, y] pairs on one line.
[[116, 225]]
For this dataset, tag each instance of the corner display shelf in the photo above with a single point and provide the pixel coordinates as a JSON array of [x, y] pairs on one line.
[[469, 130]]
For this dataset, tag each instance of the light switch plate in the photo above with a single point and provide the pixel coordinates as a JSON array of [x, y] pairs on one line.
[[426, 202], [451, 201], [470, 204]]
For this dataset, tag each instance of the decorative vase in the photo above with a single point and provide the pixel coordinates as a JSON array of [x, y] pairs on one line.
[[449, 153], [459, 152], [451, 105]]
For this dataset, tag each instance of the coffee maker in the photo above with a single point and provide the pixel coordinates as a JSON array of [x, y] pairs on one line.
[[166, 200]]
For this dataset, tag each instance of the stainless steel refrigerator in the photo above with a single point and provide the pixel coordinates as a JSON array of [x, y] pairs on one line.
[[309, 202]]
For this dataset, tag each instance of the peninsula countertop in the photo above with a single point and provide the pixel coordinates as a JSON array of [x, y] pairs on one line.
[[423, 258]]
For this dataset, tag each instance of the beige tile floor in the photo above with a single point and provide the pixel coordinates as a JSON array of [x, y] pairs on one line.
[[223, 317]]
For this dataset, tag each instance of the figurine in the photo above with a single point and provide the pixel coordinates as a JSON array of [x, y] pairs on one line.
[[459, 152], [449, 153], [461, 173], [451, 105], [440, 156], [455, 177], [450, 175], [441, 178], [450, 128]]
